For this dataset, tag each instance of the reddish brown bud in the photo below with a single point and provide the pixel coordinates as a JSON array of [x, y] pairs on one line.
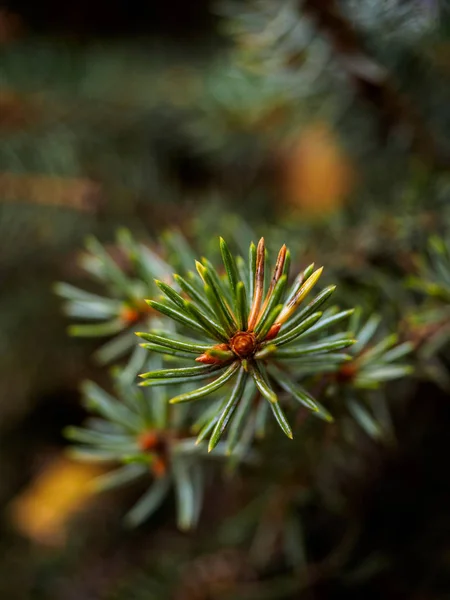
[[273, 332], [243, 344], [206, 359], [209, 359]]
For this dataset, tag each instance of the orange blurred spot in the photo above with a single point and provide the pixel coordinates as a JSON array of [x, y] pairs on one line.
[[159, 467], [148, 440], [132, 313], [43, 510], [347, 372], [48, 190], [129, 315], [317, 176]]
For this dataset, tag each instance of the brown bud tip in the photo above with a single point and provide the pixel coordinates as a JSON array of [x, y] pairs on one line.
[[206, 359], [273, 332]]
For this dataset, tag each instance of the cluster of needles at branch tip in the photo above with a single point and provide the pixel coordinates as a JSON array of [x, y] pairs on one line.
[[254, 325]]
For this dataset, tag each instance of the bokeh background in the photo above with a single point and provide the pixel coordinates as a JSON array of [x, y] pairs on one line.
[[322, 123]]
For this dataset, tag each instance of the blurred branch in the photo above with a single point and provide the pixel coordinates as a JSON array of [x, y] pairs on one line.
[[11, 26], [76, 193], [374, 84]]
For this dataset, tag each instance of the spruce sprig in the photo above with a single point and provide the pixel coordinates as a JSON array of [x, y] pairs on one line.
[[251, 329], [136, 430], [123, 278]]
